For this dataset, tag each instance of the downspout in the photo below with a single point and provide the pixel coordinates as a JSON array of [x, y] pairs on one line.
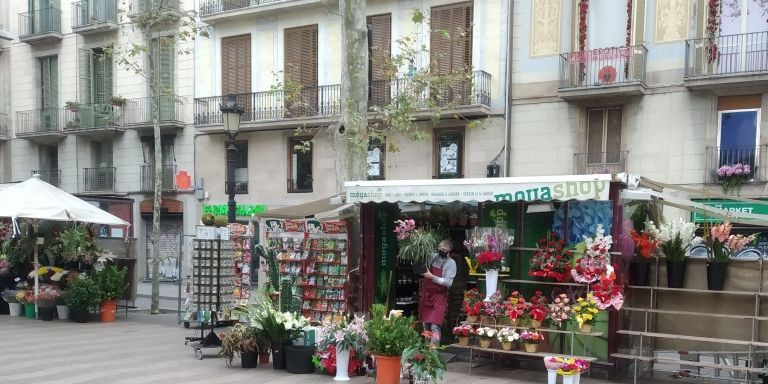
[[507, 91]]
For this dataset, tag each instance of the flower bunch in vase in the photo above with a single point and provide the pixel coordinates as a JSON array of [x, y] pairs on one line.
[[732, 176], [489, 260], [531, 340], [515, 307], [472, 304], [645, 245], [488, 246], [349, 338], [722, 245], [676, 238], [552, 259], [493, 307], [486, 335], [560, 311], [585, 311], [538, 309], [595, 259], [571, 369], [463, 333], [507, 336], [607, 293]]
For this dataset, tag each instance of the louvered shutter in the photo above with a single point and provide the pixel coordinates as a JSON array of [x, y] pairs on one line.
[[236, 73], [381, 41], [49, 92], [165, 63], [84, 74], [451, 48], [638, 39], [300, 68]]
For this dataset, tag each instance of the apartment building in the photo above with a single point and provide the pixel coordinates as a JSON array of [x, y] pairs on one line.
[[257, 45], [5, 91], [84, 123]]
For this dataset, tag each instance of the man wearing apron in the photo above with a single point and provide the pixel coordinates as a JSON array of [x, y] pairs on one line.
[[433, 300]]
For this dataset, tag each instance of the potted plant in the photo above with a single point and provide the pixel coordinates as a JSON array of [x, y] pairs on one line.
[[46, 302], [463, 332], [732, 176], [111, 281], [280, 328], [721, 246], [14, 306], [424, 360], [27, 298], [62, 310], [473, 305], [538, 310], [72, 106], [531, 340], [640, 266], [347, 337], [240, 340], [507, 336], [117, 101], [82, 295], [515, 308], [486, 335], [263, 343], [675, 240], [415, 244], [388, 336], [584, 312], [560, 312]]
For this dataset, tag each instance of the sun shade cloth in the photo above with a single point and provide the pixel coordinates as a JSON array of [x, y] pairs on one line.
[[322, 208]]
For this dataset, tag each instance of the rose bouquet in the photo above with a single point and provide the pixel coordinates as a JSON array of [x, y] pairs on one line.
[[472, 304], [560, 311], [732, 176], [489, 260], [515, 307], [463, 332], [551, 259], [506, 337], [538, 309], [486, 335], [585, 312], [595, 259]]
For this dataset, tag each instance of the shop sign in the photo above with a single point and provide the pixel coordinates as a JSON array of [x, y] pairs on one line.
[[385, 246], [240, 209], [729, 206]]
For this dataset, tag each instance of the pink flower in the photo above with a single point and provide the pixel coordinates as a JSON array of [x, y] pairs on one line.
[[722, 232]]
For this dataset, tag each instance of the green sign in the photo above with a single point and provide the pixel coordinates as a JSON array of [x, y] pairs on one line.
[[730, 206], [240, 209], [385, 245]]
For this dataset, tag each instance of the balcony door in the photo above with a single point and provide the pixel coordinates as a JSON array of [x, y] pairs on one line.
[[451, 50], [738, 138], [236, 71], [95, 83], [300, 56], [603, 139], [607, 24], [48, 164], [41, 19], [48, 68]]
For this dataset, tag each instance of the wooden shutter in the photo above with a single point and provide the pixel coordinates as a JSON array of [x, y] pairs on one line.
[[381, 46], [49, 92], [236, 70], [300, 68], [102, 79], [451, 48], [165, 65]]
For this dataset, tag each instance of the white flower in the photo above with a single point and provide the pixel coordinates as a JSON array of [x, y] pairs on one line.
[[685, 230]]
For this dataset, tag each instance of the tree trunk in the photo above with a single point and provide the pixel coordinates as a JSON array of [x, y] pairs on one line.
[[158, 187], [351, 155]]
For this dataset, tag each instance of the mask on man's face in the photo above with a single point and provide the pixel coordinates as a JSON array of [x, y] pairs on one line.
[[442, 253]]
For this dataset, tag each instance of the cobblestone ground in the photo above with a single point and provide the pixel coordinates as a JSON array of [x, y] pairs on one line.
[[150, 349]]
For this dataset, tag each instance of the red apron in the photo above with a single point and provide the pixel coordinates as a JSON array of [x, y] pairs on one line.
[[434, 299]]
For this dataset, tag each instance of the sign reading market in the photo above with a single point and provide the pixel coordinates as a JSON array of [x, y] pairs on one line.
[[591, 187]]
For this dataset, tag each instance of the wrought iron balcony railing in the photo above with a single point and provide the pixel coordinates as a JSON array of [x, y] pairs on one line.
[[50, 176], [40, 21], [726, 55], [139, 111], [40, 121], [457, 90], [599, 162], [303, 185], [101, 179], [603, 67], [148, 178], [728, 158], [210, 7], [89, 12], [75, 118]]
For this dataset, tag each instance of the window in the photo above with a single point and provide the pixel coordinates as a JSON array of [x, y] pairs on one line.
[[236, 70], [380, 30], [48, 161], [48, 68], [449, 153], [167, 150], [604, 136], [300, 54], [102, 153], [738, 137], [164, 55], [241, 168], [376, 157], [300, 165]]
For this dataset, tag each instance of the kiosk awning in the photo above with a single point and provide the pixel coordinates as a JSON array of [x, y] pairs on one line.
[[541, 188], [319, 209]]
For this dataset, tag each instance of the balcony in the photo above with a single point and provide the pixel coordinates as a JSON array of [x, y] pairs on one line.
[[50, 176], [40, 26], [41, 126], [137, 113], [148, 178], [717, 157], [603, 73], [138, 7], [730, 64], [303, 185], [98, 180], [94, 16], [212, 11], [5, 123], [93, 120], [241, 187], [600, 163]]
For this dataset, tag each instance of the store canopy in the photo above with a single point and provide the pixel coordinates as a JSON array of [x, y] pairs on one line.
[[319, 209], [541, 188], [35, 199]]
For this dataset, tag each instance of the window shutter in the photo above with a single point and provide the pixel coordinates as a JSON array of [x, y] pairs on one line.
[[453, 52], [84, 73], [236, 62], [440, 44], [638, 38], [165, 62], [102, 79], [300, 67], [381, 46]]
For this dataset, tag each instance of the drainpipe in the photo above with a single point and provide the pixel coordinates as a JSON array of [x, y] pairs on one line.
[[508, 90]]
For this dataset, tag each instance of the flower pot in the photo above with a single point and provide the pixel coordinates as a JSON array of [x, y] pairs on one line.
[[675, 273], [568, 379], [47, 313], [514, 322], [263, 357], [298, 359], [62, 311], [278, 356], [249, 359], [29, 311], [585, 328], [639, 273], [551, 376], [535, 324], [387, 369], [107, 310], [716, 275], [472, 318], [16, 309], [491, 281], [507, 345], [78, 315], [342, 365], [531, 348], [464, 341], [485, 343]]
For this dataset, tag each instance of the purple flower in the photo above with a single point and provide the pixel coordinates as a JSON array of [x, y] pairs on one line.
[[747, 169]]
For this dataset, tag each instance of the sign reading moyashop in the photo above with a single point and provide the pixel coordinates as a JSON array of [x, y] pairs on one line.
[[547, 191]]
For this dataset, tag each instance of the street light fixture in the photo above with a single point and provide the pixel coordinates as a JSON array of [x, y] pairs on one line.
[[230, 114]]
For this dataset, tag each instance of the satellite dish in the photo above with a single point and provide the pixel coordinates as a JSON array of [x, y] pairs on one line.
[[607, 74]]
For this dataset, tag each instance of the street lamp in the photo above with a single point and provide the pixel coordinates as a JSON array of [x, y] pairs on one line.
[[230, 113]]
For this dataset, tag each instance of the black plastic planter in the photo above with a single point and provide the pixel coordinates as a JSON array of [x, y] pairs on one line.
[[47, 313], [298, 359], [278, 356], [675, 273], [716, 275], [249, 359], [78, 315], [639, 273]]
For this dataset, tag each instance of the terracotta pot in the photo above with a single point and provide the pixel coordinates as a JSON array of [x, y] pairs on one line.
[[264, 358], [464, 341], [485, 343], [107, 310], [507, 345], [585, 328], [531, 348], [387, 369], [472, 318]]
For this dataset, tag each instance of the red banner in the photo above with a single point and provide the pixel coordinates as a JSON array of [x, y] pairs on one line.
[[602, 54]]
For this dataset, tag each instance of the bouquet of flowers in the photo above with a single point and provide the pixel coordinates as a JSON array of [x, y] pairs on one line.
[[515, 306], [47, 296], [538, 309], [551, 259], [488, 246], [346, 334], [723, 244], [560, 311], [508, 335], [585, 310], [463, 330], [472, 304], [675, 237], [494, 307], [25, 297], [607, 293], [572, 366], [732, 176], [404, 228], [531, 337], [487, 333], [596, 257], [9, 295], [489, 260], [645, 244], [552, 363]]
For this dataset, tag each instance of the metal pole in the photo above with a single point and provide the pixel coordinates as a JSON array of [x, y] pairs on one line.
[[231, 158]]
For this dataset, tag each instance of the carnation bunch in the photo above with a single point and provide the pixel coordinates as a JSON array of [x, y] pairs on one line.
[[560, 312], [487, 333], [607, 293], [494, 307], [515, 306], [538, 310], [508, 335], [489, 260], [463, 330]]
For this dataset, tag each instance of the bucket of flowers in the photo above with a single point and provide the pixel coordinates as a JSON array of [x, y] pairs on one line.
[[531, 340], [515, 307], [676, 238], [571, 370], [585, 312], [473, 305], [722, 245], [552, 364], [463, 332], [552, 259], [645, 245], [507, 336], [560, 311], [537, 311], [486, 335]]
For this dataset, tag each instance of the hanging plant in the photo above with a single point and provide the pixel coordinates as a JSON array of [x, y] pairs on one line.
[[583, 13], [713, 30], [628, 41]]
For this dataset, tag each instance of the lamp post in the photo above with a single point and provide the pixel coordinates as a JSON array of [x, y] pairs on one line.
[[230, 114]]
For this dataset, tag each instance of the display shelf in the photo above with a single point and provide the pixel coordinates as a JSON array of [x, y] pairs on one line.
[[474, 348], [322, 299], [547, 330], [538, 282], [697, 314], [702, 339]]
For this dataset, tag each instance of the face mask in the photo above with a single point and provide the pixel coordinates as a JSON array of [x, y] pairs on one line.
[[442, 253]]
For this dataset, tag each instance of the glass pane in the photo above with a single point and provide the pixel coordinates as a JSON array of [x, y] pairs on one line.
[[595, 136], [449, 151], [738, 136], [730, 17], [613, 137], [757, 16]]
